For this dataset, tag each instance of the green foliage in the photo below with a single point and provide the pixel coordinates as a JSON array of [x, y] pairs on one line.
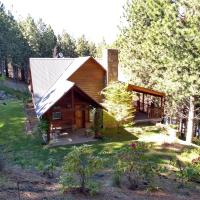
[[132, 164], [159, 48], [108, 120], [2, 78], [47, 169], [2, 163], [67, 45], [119, 102], [47, 39], [100, 47], [84, 47], [78, 168], [43, 126], [187, 172], [24, 96], [14, 47], [98, 120]]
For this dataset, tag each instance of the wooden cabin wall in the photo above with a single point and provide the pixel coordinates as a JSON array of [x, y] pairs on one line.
[[91, 79], [64, 105]]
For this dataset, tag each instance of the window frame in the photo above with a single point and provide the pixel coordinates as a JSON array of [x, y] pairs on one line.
[[56, 117]]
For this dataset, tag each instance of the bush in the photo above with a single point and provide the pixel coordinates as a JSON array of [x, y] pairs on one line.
[[48, 169], [188, 172], [43, 128], [78, 168], [132, 164]]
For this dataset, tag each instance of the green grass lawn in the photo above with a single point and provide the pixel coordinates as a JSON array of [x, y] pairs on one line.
[[27, 151]]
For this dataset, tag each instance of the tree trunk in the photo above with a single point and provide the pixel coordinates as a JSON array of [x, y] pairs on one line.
[[190, 121], [6, 68]]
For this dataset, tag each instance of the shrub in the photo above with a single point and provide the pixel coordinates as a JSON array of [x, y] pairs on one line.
[[78, 168], [48, 169], [132, 164], [188, 172], [43, 128], [98, 122]]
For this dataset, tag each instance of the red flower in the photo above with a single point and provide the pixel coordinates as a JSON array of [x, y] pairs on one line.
[[133, 145]]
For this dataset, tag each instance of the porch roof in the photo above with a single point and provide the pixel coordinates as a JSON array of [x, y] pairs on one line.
[[145, 90], [56, 92]]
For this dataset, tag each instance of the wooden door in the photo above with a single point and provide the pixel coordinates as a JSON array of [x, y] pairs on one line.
[[79, 116]]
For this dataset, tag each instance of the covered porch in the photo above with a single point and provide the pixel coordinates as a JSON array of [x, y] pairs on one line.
[[74, 118], [149, 104]]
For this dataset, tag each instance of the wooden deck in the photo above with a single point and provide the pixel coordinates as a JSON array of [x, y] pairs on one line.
[[142, 117]]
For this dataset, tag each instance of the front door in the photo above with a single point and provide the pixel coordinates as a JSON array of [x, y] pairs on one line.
[[80, 116]]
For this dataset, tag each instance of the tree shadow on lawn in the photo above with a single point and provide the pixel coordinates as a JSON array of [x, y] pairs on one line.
[[161, 157], [114, 135]]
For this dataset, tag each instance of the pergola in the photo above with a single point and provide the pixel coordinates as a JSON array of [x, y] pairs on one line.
[[149, 101]]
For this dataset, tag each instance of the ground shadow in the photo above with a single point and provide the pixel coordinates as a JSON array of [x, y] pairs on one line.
[[117, 135]]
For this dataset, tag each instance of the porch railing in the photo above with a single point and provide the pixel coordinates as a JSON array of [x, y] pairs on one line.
[[152, 112]]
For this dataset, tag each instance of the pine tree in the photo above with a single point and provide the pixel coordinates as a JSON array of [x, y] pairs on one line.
[[160, 46], [119, 103], [67, 45]]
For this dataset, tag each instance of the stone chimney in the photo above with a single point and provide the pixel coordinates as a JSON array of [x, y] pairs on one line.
[[110, 61]]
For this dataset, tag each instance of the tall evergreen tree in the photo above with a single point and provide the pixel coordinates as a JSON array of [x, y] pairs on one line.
[[67, 45], [47, 39], [82, 46], [14, 48], [100, 47], [160, 46], [31, 34]]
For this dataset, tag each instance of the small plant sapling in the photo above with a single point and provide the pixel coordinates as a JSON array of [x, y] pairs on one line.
[[78, 169], [132, 165]]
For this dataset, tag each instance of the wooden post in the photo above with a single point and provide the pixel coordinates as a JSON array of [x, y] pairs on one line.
[[161, 104], [143, 102], [73, 107], [139, 102], [48, 132]]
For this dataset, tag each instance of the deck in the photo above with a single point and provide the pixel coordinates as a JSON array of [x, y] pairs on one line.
[[142, 117]]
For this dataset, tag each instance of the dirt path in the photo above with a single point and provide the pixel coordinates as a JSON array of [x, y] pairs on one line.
[[19, 184]]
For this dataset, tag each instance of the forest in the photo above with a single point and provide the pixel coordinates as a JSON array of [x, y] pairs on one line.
[[26, 38]]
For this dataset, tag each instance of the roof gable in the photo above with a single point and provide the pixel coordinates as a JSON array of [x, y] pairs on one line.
[[46, 71]]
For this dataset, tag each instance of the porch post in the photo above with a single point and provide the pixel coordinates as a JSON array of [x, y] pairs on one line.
[[161, 104], [73, 109], [143, 102], [139, 103]]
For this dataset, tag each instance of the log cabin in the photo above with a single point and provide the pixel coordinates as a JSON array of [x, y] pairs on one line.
[[65, 90]]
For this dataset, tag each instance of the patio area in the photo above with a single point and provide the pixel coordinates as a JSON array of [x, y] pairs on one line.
[[80, 136]]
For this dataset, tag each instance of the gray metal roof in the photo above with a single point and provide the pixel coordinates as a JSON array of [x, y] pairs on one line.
[[58, 90], [45, 72], [49, 79]]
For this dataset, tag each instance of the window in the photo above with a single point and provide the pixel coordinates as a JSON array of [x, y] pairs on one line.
[[56, 115]]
